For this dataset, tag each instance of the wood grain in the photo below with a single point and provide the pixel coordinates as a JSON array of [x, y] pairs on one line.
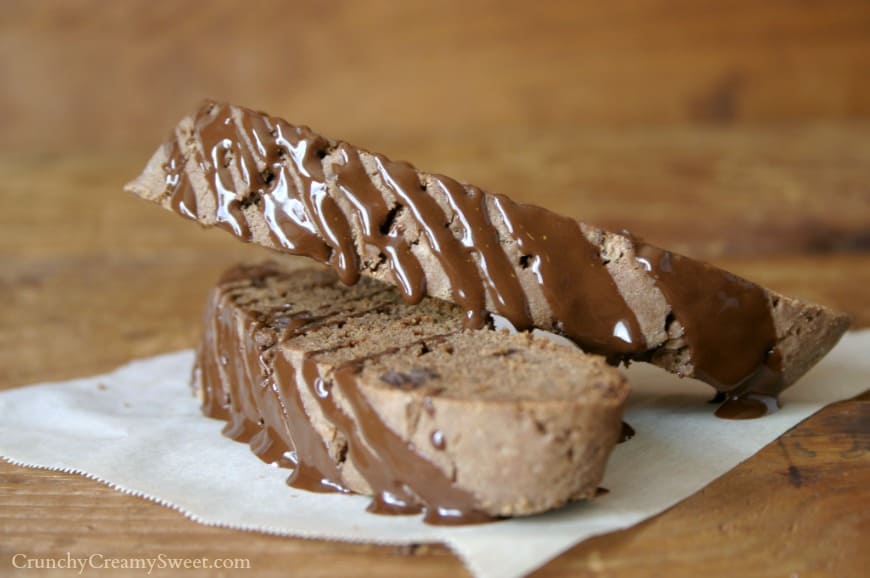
[[86, 73], [92, 277]]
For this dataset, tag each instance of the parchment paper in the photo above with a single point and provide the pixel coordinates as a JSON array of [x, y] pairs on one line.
[[139, 430]]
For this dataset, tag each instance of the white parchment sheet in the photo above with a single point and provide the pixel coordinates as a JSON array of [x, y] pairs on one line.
[[139, 430]]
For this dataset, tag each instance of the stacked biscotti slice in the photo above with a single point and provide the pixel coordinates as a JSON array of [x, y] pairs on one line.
[[358, 391], [384, 377], [287, 188]]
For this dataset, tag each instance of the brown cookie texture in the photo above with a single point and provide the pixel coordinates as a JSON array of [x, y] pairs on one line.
[[359, 391], [289, 189]]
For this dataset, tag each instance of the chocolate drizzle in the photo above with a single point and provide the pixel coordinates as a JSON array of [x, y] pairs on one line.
[[356, 211], [456, 260], [182, 198], [377, 223], [726, 320], [586, 304], [225, 167], [480, 239], [318, 214], [282, 168], [390, 496], [313, 468], [402, 467]]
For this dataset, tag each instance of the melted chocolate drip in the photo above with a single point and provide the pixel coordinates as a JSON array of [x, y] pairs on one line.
[[481, 243], [727, 325], [313, 468], [579, 290], [401, 466], [376, 220], [455, 259], [182, 198]]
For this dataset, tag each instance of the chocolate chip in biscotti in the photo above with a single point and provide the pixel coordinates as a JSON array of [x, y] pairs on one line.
[[417, 377]]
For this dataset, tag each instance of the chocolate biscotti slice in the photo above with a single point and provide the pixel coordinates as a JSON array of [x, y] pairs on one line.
[[358, 391], [289, 189]]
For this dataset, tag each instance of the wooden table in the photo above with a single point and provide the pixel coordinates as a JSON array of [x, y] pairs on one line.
[[92, 278]]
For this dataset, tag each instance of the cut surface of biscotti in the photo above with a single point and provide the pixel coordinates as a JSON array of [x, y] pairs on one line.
[[287, 188], [358, 391]]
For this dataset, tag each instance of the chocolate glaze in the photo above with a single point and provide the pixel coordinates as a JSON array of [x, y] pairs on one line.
[[302, 216], [182, 198], [390, 496], [217, 162], [252, 385], [313, 467], [585, 301], [316, 195], [480, 241], [376, 223], [276, 422], [243, 423], [728, 325], [457, 262], [401, 467], [240, 383], [224, 157]]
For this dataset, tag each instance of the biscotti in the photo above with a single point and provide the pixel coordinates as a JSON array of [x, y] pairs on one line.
[[360, 392], [289, 189]]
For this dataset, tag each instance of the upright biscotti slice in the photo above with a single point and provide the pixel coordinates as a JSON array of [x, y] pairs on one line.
[[287, 188], [361, 392]]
